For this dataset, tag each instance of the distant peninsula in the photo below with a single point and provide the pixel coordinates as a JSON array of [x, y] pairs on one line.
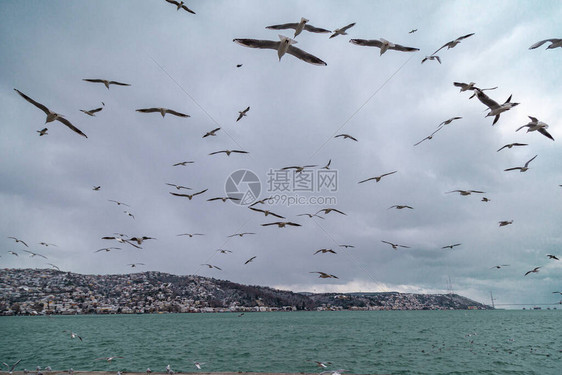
[[48, 291]]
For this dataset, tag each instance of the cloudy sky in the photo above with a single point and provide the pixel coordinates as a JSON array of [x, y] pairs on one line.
[[188, 62]]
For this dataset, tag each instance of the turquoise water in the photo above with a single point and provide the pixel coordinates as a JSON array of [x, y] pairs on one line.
[[363, 342]]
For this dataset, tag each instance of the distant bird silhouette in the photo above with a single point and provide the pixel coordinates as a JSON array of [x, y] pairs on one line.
[[282, 224], [510, 145], [503, 223], [500, 266], [342, 30], [211, 133], [18, 240], [178, 187], [465, 192], [183, 163], [249, 260], [400, 207], [211, 266], [383, 44], [118, 203], [228, 152], [162, 111], [453, 43], [534, 270], [324, 251], [34, 254], [326, 211], [106, 82], [42, 132], [522, 169], [190, 196], [191, 234], [180, 5], [91, 112], [242, 114], [451, 246], [224, 199], [324, 275], [266, 212], [346, 136], [550, 256], [240, 234], [377, 178], [432, 57], [395, 246]]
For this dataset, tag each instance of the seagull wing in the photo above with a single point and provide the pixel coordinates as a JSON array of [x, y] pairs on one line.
[[187, 9], [256, 43], [38, 105], [538, 44], [179, 114], [149, 110], [313, 29], [368, 179], [305, 56], [72, 127], [399, 47], [283, 26], [545, 133], [118, 83], [533, 158], [485, 99], [366, 42]]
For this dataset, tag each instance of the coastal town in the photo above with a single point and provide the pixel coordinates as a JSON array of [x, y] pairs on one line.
[[48, 291]]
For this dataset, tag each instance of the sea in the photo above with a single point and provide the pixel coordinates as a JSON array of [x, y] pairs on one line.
[[361, 342]]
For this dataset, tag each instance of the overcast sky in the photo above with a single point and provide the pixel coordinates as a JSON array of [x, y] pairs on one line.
[[188, 63]]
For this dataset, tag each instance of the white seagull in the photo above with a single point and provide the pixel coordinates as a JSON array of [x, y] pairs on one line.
[[299, 27], [282, 47], [162, 111], [342, 30], [522, 169], [105, 82], [536, 125], [453, 43], [495, 108], [553, 43], [383, 44]]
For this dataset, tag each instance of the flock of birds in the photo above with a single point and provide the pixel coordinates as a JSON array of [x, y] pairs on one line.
[[285, 45]]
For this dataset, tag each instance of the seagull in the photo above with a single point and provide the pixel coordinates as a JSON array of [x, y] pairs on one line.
[[536, 125], [239, 65], [451, 246], [500, 266], [534, 270], [242, 114], [524, 168], [429, 137], [107, 249], [495, 108], [118, 203], [346, 136], [400, 207], [108, 359], [191, 234], [299, 27], [282, 224], [432, 57], [228, 152], [510, 145], [178, 187], [324, 275], [453, 43], [133, 265], [553, 43], [312, 215], [282, 47], [249, 260], [148, 370], [73, 335], [190, 196], [484, 199], [412, 31], [342, 30], [503, 223], [198, 364], [261, 201], [47, 244], [18, 240], [298, 169], [35, 254], [183, 163], [346, 246], [120, 240], [106, 82], [54, 266], [327, 166], [162, 111], [322, 364], [42, 132], [326, 211], [211, 266], [240, 234], [139, 239], [465, 192], [96, 188], [470, 86], [266, 212], [180, 5], [395, 246], [51, 116], [212, 133], [91, 112], [383, 44], [13, 253], [324, 251], [129, 214], [377, 178], [12, 367], [224, 199], [447, 122], [550, 256]]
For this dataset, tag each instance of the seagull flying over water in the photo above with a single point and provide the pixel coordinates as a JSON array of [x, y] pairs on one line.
[[524, 168], [51, 116], [383, 44], [299, 27], [553, 43], [282, 47]]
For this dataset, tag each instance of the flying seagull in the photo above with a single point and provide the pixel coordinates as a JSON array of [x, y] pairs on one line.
[[105, 82], [536, 125], [73, 335], [470, 86], [183, 163], [346, 136], [324, 275], [553, 43], [342, 30], [534, 270], [211, 266], [298, 169], [198, 364], [133, 265], [395, 246], [282, 224], [524, 168], [191, 234], [224, 199], [42, 132], [383, 44], [453, 43], [324, 251], [47, 244], [299, 27], [162, 111], [129, 214], [242, 114], [51, 116], [13, 253], [503, 223], [429, 137], [107, 249], [500, 266], [310, 216], [550, 256], [495, 108], [178, 187], [54, 266], [118, 203], [465, 192], [228, 152], [35, 254], [377, 178], [240, 234], [326, 211], [510, 145], [180, 5], [447, 122], [266, 212], [108, 359], [18, 240], [96, 187], [140, 239], [91, 112], [432, 57], [12, 367], [400, 207], [412, 31], [249, 260], [190, 196], [451, 246], [282, 47], [120, 240], [212, 133], [223, 251]]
